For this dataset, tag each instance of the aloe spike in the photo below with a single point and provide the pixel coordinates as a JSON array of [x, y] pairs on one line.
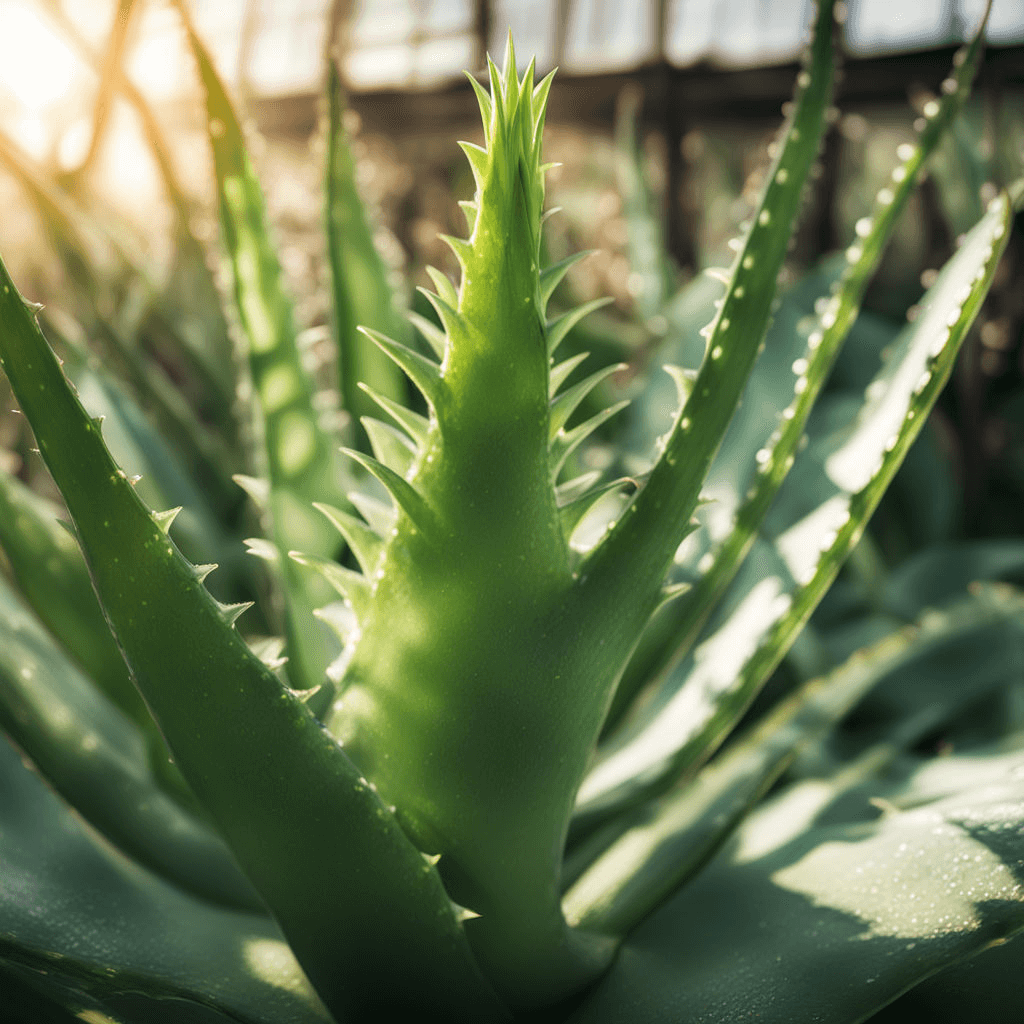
[[565, 404], [459, 246], [565, 442], [423, 372], [201, 572], [354, 587], [477, 156], [435, 336], [444, 287], [391, 446], [810, 371], [380, 515], [366, 545], [415, 425], [572, 512], [257, 488], [551, 277], [444, 306], [258, 547], [469, 208], [560, 372], [484, 102], [558, 328], [165, 520], [404, 494], [200, 679]]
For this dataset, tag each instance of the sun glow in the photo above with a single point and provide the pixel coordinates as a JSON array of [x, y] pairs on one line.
[[36, 67]]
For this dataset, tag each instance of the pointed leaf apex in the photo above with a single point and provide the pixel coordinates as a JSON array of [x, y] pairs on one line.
[[461, 247], [484, 102], [479, 161]]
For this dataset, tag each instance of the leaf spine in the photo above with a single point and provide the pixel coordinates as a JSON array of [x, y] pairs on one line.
[[164, 520], [354, 587], [557, 329], [415, 425], [423, 372], [405, 496], [365, 544]]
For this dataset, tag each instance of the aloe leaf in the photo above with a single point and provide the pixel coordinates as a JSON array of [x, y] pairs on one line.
[[231, 965], [810, 368], [393, 937], [160, 479], [666, 841], [47, 566], [873, 907], [636, 555], [451, 609], [300, 453], [704, 699], [363, 295], [51, 574], [94, 757]]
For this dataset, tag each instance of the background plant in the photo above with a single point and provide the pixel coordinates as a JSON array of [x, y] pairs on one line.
[[484, 581]]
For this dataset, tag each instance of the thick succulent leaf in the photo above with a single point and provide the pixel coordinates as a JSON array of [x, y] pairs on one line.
[[226, 717], [160, 478], [98, 761], [92, 930], [809, 370], [665, 841], [637, 553], [47, 565], [51, 574], [457, 593], [363, 294], [299, 453], [873, 908], [706, 695]]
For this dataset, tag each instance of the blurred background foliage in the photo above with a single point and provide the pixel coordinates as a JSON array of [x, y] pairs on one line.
[[660, 120]]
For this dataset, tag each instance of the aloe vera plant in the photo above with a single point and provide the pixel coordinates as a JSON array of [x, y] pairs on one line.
[[479, 776]]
